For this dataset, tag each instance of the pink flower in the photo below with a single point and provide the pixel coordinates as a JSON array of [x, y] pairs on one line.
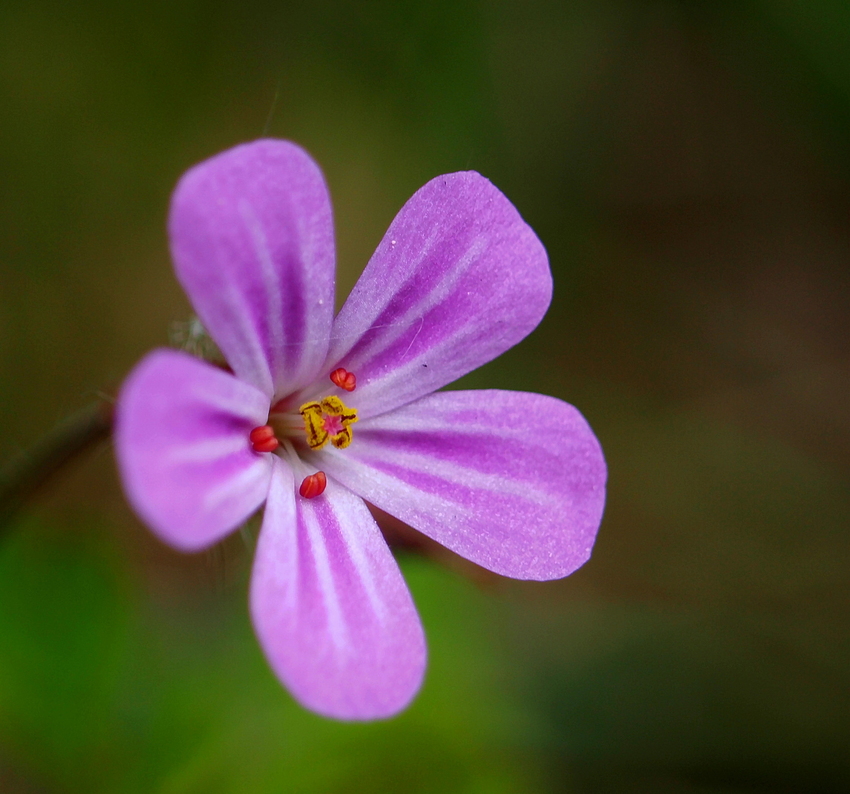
[[512, 481]]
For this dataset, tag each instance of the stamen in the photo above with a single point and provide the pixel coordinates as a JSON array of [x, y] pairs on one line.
[[313, 485], [263, 439], [344, 379], [328, 420]]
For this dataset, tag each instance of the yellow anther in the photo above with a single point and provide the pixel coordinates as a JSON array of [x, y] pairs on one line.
[[328, 420]]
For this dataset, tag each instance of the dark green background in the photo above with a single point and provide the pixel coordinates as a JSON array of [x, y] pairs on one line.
[[686, 165]]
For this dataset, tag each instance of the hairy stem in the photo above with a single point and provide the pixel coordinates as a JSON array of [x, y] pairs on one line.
[[27, 472]]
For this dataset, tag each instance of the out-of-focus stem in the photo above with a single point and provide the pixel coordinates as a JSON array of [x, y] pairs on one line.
[[27, 472]]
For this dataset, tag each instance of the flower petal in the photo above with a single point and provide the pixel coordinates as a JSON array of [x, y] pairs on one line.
[[458, 279], [252, 240], [181, 440], [512, 481], [330, 607]]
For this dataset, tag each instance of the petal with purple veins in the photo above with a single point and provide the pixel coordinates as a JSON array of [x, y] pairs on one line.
[[458, 279], [181, 440], [330, 607], [252, 240], [512, 481]]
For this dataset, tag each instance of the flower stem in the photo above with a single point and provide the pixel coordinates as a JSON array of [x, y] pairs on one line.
[[28, 471]]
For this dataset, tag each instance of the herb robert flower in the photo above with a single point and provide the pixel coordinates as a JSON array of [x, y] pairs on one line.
[[316, 414]]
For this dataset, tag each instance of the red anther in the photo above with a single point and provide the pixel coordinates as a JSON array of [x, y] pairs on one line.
[[344, 379], [313, 485], [263, 439]]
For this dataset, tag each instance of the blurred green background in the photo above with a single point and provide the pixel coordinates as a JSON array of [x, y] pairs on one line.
[[686, 165]]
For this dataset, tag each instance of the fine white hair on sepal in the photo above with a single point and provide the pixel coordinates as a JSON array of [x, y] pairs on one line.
[[191, 336]]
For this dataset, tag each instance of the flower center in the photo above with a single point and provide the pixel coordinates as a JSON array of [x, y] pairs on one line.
[[328, 420], [317, 422], [321, 421]]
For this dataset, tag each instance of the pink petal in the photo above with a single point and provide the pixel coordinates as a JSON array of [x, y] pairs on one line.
[[181, 439], [458, 279], [512, 481], [330, 607], [252, 241]]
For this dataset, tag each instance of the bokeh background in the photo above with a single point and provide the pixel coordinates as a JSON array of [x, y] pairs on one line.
[[686, 165]]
